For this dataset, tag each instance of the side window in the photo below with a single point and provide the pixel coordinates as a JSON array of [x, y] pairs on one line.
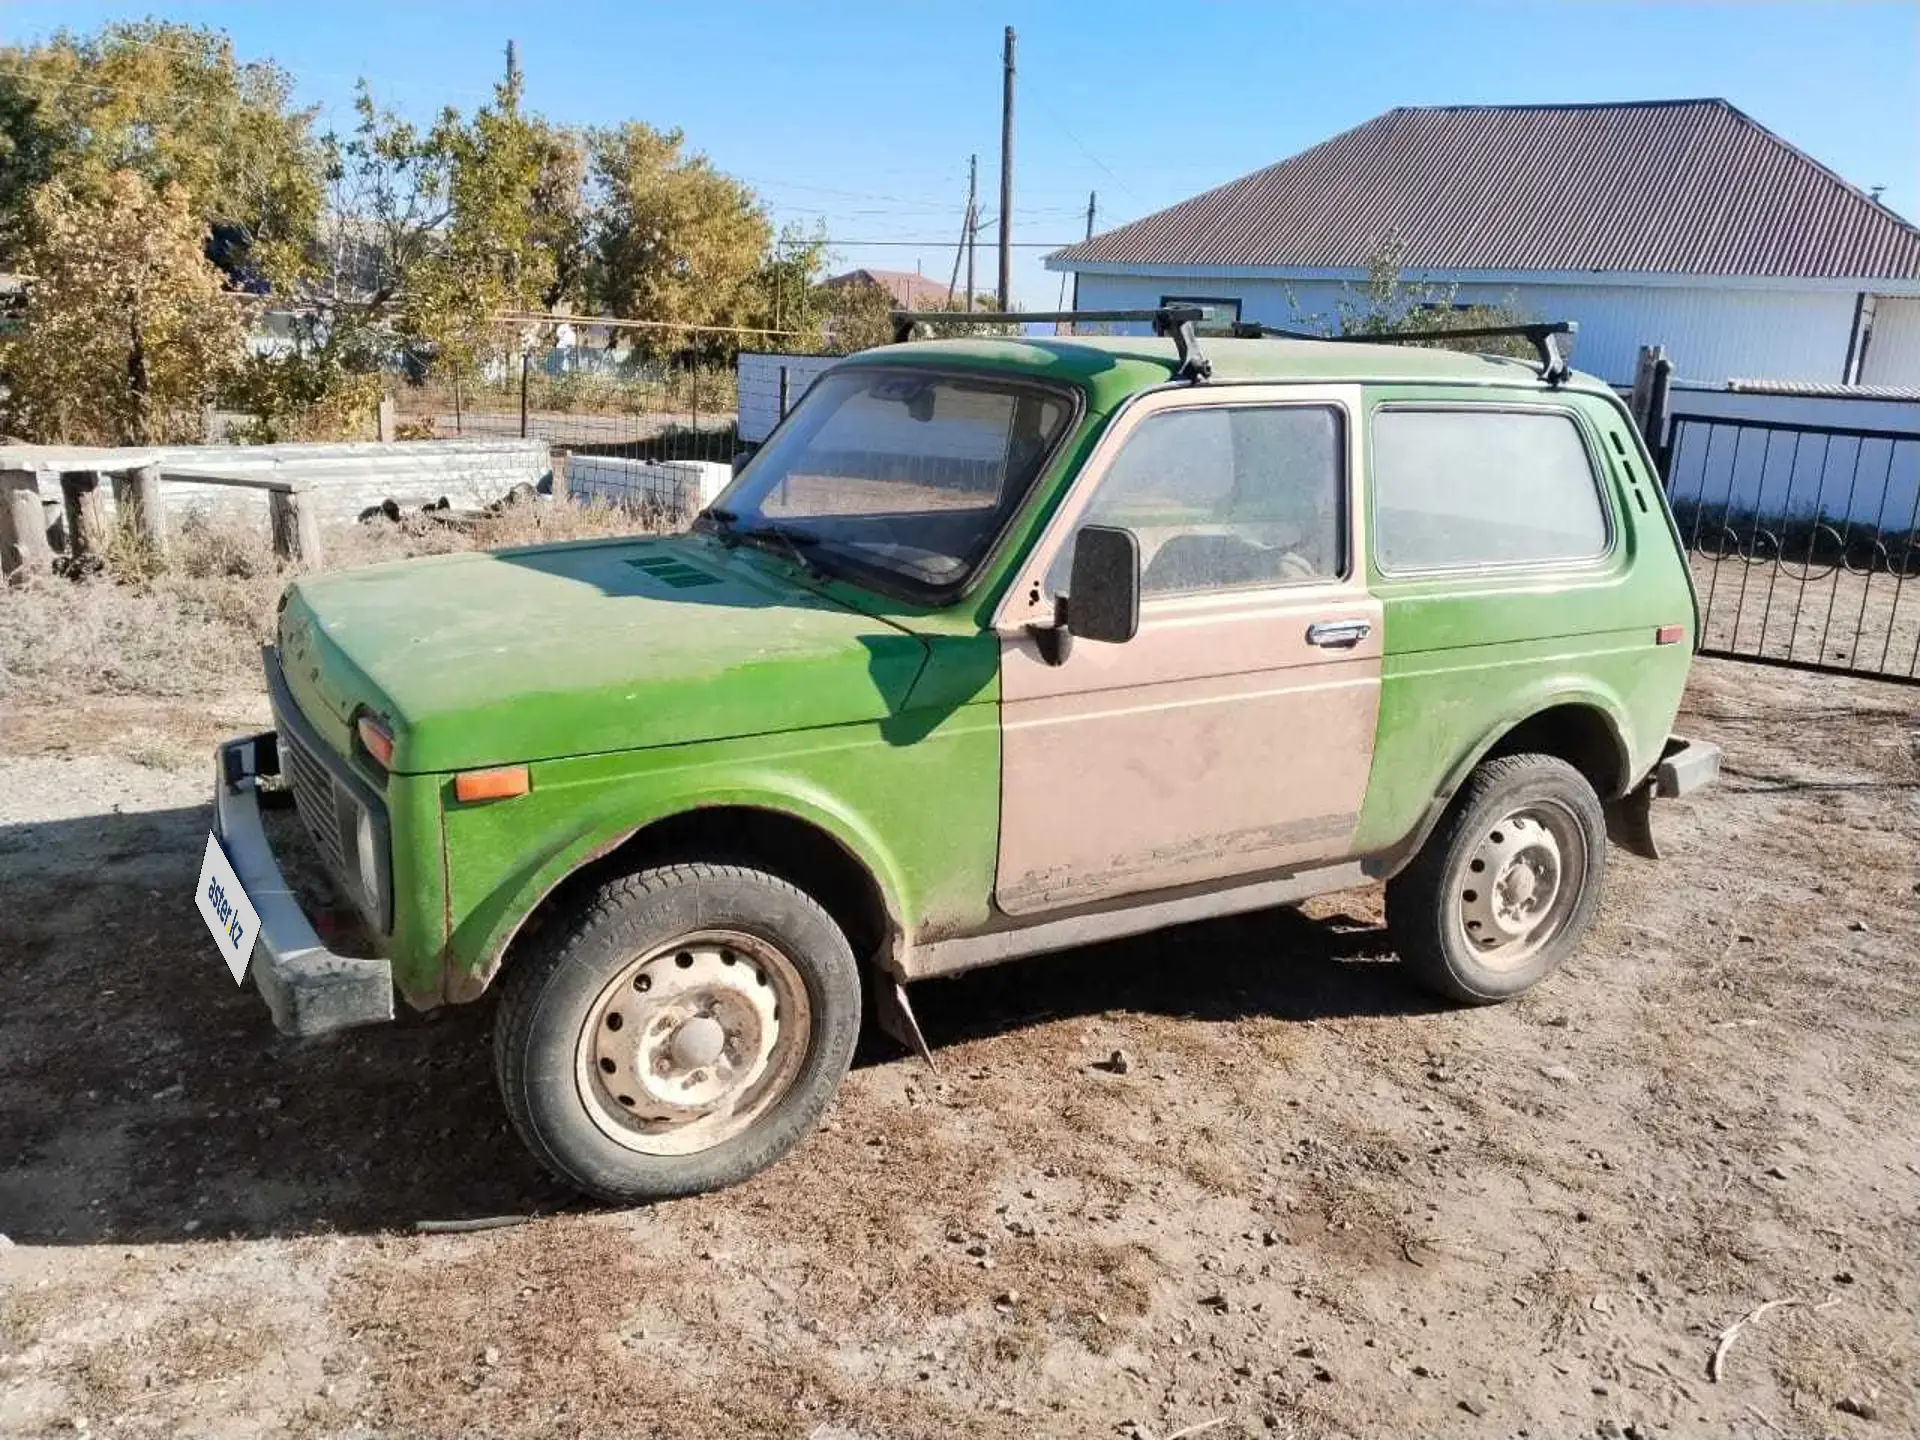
[[1462, 488], [1227, 497]]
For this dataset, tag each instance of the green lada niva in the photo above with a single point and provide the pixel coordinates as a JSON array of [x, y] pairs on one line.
[[996, 646]]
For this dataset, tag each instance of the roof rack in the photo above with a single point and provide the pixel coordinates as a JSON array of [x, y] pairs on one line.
[[1545, 335], [1174, 320], [1178, 321]]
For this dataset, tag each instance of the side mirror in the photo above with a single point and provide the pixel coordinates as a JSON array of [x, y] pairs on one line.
[[1103, 595]]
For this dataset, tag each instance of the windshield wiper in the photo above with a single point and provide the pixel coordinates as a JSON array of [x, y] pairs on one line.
[[722, 521], [795, 542]]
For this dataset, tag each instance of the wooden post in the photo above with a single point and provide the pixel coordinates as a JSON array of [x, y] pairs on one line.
[[386, 420], [1641, 402], [296, 528], [560, 482], [23, 525], [87, 534], [136, 494]]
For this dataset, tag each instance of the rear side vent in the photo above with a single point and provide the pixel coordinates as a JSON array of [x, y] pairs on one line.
[[677, 573], [1633, 473]]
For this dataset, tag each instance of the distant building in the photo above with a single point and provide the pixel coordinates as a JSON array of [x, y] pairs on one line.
[[905, 289], [1682, 223]]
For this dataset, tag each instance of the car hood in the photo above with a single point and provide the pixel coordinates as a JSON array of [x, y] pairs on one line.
[[574, 649]]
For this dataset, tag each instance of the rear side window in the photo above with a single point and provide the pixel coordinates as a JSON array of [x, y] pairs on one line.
[[1463, 488]]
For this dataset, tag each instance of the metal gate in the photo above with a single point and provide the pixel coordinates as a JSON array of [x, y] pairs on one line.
[[1802, 540]]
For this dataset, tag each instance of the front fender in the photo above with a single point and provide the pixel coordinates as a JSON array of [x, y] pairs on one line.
[[492, 901]]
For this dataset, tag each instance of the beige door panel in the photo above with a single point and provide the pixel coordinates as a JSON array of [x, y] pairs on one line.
[[1220, 747], [1219, 742]]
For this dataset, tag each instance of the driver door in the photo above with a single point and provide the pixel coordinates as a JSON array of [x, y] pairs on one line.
[[1234, 733]]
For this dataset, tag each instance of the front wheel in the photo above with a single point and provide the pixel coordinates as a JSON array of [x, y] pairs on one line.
[[685, 1031], [1507, 885]]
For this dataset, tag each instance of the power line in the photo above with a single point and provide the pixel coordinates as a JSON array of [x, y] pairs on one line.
[[1082, 146]]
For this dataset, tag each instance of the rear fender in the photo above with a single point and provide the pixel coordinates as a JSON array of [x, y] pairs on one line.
[[1535, 700]]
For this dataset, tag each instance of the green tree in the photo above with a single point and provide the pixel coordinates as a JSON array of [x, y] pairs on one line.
[[128, 327], [171, 103], [1389, 304], [429, 234], [671, 239]]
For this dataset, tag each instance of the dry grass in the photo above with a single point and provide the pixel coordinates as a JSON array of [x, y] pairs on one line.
[[193, 625]]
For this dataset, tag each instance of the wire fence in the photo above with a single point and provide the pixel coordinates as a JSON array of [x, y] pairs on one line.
[[654, 394]]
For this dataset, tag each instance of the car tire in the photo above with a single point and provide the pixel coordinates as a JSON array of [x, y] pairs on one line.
[[1506, 886], [666, 989]]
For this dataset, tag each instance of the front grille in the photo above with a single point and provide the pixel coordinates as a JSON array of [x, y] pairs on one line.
[[313, 798], [331, 799]]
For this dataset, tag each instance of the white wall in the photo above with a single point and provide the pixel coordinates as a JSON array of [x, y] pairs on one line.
[[678, 487], [1710, 334], [342, 479], [759, 387], [1893, 354]]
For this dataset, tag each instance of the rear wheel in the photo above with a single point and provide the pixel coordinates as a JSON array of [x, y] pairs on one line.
[[1507, 885], [685, 1031]]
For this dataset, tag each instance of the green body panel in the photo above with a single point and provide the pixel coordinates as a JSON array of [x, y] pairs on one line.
[[1469, 655], [914, 797], [419, 887], [642, 679], [527, 654]]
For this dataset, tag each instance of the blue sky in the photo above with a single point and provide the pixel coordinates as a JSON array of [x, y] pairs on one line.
[[862, 115]]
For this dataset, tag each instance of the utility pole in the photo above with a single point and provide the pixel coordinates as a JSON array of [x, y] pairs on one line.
[[966, 233], [513, 66], [1006, 177], [1093, 200], [973, 234]]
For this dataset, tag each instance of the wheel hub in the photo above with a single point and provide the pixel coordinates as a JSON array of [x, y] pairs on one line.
[[1512, 882], [685, 1034]]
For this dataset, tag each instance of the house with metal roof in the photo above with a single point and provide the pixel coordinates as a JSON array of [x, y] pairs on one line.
[[1683, 223]]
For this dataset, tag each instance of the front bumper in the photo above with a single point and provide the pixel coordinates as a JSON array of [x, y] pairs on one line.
[[309, 989], [1683, 767]]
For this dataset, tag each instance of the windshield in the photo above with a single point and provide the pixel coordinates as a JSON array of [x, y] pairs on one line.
[[903, 473]]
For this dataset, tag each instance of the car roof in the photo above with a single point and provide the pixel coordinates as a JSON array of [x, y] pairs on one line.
[[1114, 366]]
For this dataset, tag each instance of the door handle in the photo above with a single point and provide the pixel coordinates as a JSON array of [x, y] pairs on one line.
[[1338, 634]]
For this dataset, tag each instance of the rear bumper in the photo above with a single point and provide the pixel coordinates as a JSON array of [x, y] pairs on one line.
[[1684, 766], [309, 989]]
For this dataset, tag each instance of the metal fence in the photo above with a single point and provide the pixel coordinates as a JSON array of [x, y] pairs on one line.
[[656, 394], [1803, 541]]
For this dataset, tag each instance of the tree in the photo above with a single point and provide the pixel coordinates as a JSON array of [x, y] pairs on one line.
[[672, 239], [128, 326], [428, 235], [1389, 304], [171, 103]]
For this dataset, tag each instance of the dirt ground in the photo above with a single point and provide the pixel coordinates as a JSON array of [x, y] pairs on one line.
[[1314, 1204]]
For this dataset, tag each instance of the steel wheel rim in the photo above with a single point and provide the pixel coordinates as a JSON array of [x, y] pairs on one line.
[[1520, 884], [692, 1041]]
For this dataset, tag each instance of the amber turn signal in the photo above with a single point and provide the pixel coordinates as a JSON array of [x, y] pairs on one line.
[[377, 739], [501, 784]]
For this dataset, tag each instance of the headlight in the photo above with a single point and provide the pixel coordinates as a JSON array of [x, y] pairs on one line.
[[366, 846]]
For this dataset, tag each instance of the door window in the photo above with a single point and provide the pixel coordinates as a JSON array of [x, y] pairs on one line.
[[1461, 488], [1227, 497]]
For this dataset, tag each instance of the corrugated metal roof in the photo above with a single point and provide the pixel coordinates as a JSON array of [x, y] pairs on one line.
[[1692, 187], [1813, 389]]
